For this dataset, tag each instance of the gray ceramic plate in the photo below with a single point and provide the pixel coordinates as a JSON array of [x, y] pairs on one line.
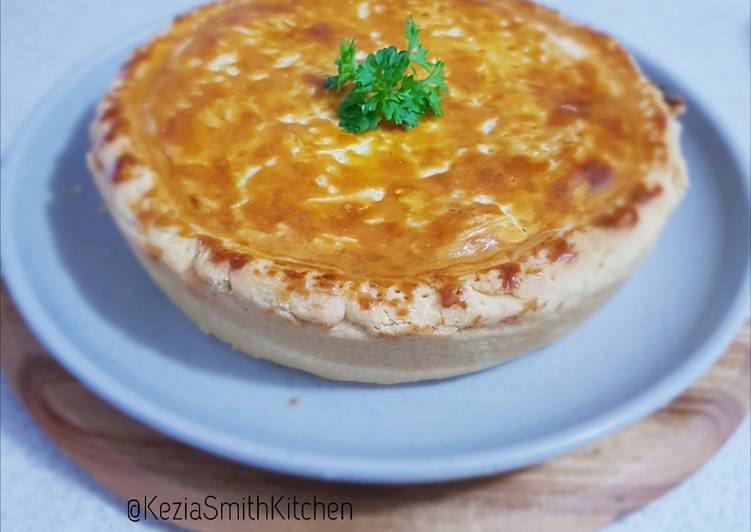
[[83, 293]]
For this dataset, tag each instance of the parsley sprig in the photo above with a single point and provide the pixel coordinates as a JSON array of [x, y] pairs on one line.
[[384, 85]]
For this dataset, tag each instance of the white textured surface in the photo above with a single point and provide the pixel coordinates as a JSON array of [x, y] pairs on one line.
[[705, 45]]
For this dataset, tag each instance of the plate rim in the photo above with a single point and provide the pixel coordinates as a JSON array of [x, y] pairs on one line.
[[443, 467]]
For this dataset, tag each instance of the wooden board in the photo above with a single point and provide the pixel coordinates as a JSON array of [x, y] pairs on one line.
[[583, 490]]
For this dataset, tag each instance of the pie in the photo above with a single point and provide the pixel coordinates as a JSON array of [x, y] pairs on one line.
[[395, 254]]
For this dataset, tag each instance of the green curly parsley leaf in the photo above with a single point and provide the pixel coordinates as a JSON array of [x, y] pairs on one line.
[[346, 65], [384, 85]]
